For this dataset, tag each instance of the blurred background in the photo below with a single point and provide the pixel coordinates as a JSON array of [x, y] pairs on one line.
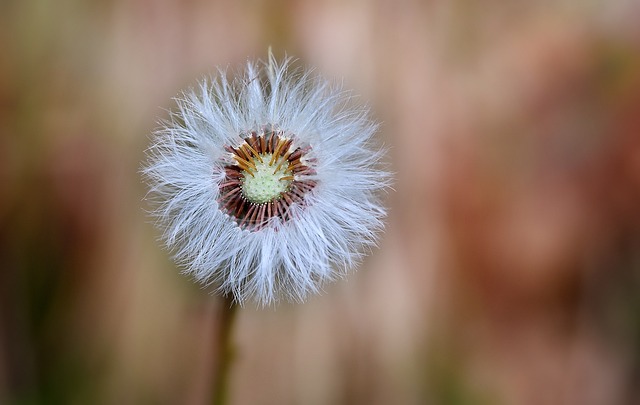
[[510, 269]]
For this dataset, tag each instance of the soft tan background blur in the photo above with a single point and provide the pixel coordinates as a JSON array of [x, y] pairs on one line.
[[510, 271]]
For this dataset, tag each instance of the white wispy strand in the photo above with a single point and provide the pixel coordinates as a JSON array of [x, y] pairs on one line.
[[327, 236]]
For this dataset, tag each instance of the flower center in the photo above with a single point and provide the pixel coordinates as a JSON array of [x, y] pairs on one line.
[[264, 177], [265, 182]]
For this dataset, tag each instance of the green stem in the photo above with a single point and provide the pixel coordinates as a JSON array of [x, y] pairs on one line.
[[224, 351]]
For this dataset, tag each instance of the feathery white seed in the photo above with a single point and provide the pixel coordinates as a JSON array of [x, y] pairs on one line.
[[294, 205]]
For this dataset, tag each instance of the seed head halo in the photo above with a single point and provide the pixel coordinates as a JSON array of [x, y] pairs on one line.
[[266, 186]]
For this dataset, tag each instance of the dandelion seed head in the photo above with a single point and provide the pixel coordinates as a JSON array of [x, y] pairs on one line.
[[267, 185]]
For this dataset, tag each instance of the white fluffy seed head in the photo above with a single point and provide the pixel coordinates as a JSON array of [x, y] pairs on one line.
[[259, 229]]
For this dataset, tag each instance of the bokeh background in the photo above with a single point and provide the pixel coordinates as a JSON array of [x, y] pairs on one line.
[[510, 269]]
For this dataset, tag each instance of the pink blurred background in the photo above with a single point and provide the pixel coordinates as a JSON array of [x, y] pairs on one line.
[[510, 269]]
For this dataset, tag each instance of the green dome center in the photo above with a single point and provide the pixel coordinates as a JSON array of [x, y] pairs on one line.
[[264, 184]]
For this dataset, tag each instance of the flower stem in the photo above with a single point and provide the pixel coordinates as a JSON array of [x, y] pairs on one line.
[[224, 351]]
